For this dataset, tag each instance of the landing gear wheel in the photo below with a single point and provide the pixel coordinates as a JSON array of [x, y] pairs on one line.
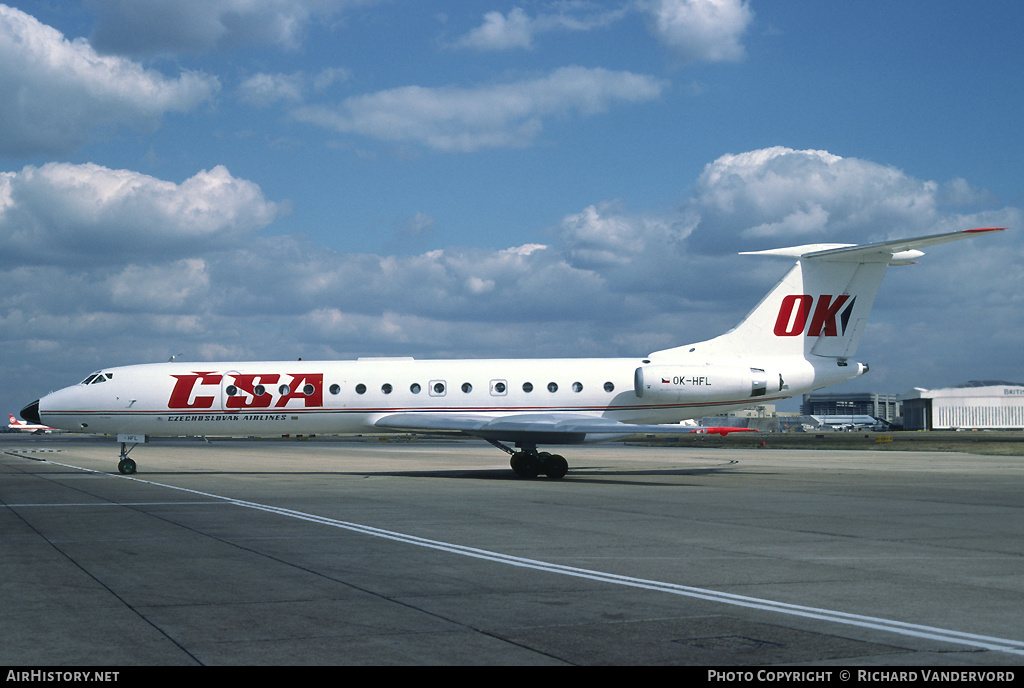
[[525, 465], [126, 466], [529, 465], [556, 467]]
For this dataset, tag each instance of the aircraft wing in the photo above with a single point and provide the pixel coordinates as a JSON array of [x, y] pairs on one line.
[[548, 428]]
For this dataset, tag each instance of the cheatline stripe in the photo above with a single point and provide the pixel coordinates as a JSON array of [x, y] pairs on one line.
[[251, 410], [908, 629]]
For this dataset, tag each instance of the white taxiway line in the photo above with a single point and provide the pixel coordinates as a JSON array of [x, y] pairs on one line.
[[914, 630]]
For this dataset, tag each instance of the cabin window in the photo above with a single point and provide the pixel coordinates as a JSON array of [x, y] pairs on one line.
[[284, 390], [499, 388], [467, 388], [386, 388], [259, 390], [577, 387], [335, 389], [438, 388], [552, 387], [360, 388], [527, 387], [415, 388], [231, 390], [609, 387], [308, 390]]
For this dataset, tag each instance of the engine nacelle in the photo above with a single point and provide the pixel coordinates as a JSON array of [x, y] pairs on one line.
[[699, 383]]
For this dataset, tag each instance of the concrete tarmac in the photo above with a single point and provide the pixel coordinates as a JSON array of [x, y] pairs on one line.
[[346, 552]]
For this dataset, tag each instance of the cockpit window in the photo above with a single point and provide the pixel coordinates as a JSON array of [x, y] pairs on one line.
[[97, 378]]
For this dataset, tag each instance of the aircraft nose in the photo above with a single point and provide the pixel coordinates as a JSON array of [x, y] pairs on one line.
[[31, 413]]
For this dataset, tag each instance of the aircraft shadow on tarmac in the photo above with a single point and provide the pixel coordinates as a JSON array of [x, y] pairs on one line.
[[594, 475]]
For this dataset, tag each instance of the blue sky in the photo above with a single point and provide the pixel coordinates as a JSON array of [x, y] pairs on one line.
[[333, 178]]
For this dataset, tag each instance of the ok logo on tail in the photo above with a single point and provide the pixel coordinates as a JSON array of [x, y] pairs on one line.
[[795, 312]]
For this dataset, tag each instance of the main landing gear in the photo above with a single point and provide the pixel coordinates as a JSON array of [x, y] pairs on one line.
[[529, 463]]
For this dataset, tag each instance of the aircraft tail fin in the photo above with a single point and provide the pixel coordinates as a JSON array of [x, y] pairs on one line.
[[821, 306]]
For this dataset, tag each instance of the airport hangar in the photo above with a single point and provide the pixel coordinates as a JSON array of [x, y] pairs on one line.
[[980, 405]]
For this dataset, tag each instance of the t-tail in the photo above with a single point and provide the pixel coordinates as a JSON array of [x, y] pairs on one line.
[[819, 310]]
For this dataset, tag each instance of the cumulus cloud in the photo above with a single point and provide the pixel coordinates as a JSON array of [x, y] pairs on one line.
[[145, 27], [693, 30], [602, 236], [517, 29], [458, 119], [700, 30], [169, 287], [265, 89], [199, 244], [499, 32], [62, 213], [784, 195], [57, 90]]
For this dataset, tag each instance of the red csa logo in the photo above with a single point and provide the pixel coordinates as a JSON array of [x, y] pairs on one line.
[[188, 392], [795, 309]]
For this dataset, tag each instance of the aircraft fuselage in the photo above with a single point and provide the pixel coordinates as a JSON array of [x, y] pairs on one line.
[[321, 397]]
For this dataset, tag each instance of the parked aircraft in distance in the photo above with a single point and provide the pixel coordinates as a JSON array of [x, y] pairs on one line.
[[22, 426], [799, 338]]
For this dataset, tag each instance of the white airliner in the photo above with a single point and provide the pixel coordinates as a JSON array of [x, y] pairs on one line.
[[799, 338], [22, 426]]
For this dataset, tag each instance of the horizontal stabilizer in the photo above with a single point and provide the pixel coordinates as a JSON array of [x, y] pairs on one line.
[[897, 252]]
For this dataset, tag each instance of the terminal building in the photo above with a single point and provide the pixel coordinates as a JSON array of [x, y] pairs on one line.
[[847, 408], [984, 405]]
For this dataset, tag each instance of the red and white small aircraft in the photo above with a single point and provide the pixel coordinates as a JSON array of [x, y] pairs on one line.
[[22, 426], [799, 338], [723, 431]]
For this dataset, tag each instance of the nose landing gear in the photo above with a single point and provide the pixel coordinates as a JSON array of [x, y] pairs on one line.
[[125, 465]]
